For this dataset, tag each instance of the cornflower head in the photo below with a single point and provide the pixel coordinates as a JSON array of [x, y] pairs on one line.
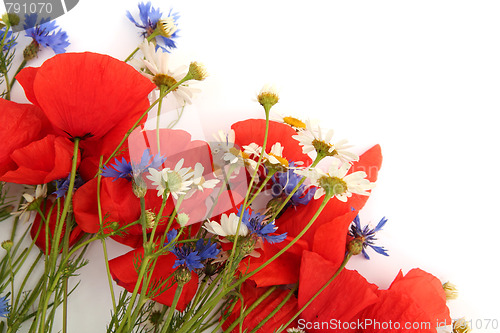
[[258, 227], [285, 182], [10, 40], [44, 34], [364, 237], [4, 307], [192, 256], [62, 185], [163, 30], [131, 170]]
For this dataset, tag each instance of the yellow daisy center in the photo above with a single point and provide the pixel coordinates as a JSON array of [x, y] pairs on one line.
[[294, 122]]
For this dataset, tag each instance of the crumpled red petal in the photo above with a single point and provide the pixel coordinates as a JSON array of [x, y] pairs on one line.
[[41, 161], [250, 294], [347, 295], [124, 273]]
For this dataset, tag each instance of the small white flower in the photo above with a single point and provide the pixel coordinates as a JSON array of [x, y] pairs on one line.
[[291, 120], [224, 147], [155, 66], [168, 181], [342, 184], [25, 209], [227, 226], [199, 181], [275, 156], [182, 219], [312, 139]]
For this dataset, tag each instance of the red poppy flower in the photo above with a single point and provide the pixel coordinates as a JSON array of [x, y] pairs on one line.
[[415, 302], [250, 294], [346, 296], [125, 274], [89, 96], [38, 228], [253, 130]]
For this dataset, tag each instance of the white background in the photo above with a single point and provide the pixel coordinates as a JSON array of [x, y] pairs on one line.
[[421, 78]]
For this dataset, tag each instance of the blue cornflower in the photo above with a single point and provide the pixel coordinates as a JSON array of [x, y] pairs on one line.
[[9, 42], [367, 235], [254, 222], [119, 169], [63, 184], [4, 306], [127, 170], [44, 33], [189, 256], [149, 17], [285, 182]]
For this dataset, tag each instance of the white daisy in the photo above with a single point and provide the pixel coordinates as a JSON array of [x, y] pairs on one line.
[[223, 147], [336, 181], [25, 209], [155, 66], [312, 139], [199, 182], [291, 120], [168, 181], [227, 226], [274, 157]]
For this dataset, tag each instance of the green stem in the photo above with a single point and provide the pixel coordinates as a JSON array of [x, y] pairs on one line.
[[158, 114], [272, 313], [177, 296], [250, 309], [21, 66], [264, 183], [244, 206], [339, 270]]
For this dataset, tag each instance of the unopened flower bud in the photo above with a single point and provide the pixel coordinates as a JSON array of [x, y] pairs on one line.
[[7, 245], [139, 187], [355, 246], [268, 96], [31, 51], [114, 226], [183, 219], [450, 290], [197, 71], [247, 245], [182, 276]]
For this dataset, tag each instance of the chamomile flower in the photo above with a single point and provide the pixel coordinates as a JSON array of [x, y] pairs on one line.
[[31, 204], [291, 120], [155, 66], [199, 182], [273, 159], [336, 182], [224, 147], [227, 226], [312, 139], [167, 181]]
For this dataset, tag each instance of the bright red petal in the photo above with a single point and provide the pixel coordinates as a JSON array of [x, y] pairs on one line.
[[250, 294], [38, 229], [348, 294], [26, 78], [21, 125], [124, 273], [41, 161], [426, 290], [283, 270], [253, 130], [87, 94]]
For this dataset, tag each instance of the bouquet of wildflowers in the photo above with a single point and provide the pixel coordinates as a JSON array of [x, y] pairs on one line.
[[248, 232]]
